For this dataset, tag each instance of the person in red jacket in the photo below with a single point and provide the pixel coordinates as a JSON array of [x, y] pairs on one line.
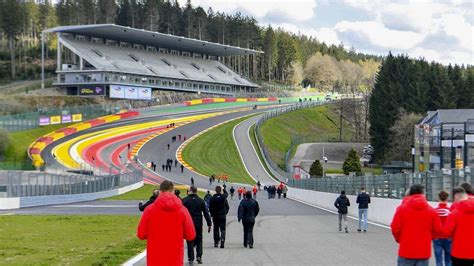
[[254, 191], [413, 226], [164, 225], [460, 226], [469, 191], [442, 242]]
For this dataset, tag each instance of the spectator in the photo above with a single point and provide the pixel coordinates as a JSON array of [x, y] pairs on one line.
[[254, 191], [413, 226], [232, 191], [469, 191], [441, 242], [363, 199], [207, 198], [459, 226], [284, 190], [182, 168], [342, 203], [192, 181], [164, 224], [239, 192], [197, 208], [177, 192], [248, 210], [219, 207], [142, 207]]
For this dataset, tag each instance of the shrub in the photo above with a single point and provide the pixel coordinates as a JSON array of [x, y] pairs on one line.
[[352, 163], [316, 169]]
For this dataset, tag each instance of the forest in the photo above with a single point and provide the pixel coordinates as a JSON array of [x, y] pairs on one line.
[[289, 58], [405, 89]]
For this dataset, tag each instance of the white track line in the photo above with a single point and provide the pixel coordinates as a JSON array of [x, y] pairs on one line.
[[238, 149]]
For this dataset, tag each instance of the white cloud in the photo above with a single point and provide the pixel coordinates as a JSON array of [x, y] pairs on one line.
[[294, 10]]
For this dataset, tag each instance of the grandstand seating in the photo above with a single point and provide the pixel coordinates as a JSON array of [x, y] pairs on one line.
[[142, 62]]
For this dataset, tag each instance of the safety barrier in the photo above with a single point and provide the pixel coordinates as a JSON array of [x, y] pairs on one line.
[[229, 100]]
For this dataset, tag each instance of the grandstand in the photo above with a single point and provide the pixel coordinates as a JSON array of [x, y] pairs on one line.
[[123, 62]]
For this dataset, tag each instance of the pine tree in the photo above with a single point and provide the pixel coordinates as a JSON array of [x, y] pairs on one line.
[[316, 169], [352, 163]]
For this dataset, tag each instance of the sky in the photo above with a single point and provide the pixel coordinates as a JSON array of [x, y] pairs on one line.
[[439, 30]]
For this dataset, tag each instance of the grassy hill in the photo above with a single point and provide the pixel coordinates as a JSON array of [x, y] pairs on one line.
[[321, 121]]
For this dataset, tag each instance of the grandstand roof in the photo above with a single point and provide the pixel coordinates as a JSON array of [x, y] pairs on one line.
[[145, 37]]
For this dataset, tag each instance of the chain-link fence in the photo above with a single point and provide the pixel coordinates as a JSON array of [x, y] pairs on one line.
[[29, 184], [30, 120], [388, 186]]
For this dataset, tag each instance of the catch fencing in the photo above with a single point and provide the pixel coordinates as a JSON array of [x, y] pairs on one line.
[[388, 186], [30, 184]]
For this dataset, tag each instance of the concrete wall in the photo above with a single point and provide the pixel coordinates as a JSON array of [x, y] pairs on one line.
[[381, 210], [16, 203]]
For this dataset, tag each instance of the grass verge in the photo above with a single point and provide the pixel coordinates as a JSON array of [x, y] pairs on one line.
[[16, 156], [259, 154], [321, 120], [215, 152], [68, 240], [144, 193]]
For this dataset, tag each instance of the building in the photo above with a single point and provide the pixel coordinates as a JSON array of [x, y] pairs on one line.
[[444, 139], [123, 62]]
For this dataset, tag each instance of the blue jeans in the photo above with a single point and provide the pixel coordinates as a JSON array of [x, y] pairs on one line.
[[363, 214], [442, 246], [412, 262]]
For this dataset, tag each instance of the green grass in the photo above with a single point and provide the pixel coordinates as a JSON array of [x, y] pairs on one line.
[[68, 240], [144, 193], [21, 140], [317, 121], [215, 152]]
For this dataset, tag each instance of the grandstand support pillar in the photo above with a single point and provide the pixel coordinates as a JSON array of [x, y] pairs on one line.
[[81, 63], [42, 59], [59, 53]]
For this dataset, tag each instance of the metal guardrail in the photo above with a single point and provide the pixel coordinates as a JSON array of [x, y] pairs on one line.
[[388, 186], [28, 184]]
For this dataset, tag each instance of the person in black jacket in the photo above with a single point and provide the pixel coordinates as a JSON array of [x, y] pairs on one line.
[[342, 203], [219, 207], [248, 210], [197, 208], [363, 199], [142, 206]]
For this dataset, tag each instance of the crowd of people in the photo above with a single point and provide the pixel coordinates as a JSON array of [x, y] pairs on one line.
[[166, 217], [272, 190]]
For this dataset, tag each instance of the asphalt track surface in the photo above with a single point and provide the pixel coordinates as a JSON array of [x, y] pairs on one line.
[[287, 232]]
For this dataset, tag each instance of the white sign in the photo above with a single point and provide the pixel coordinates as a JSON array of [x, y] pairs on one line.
[[128, 92], [116, 92], [144, 93]]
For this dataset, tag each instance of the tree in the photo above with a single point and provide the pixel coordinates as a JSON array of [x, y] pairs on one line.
[[107, 11], [403, 136], [352, 163], [296, 73], [323, 71], [316, 169], [11, 14]]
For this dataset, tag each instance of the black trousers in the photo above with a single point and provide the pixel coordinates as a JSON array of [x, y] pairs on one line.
[[196, 243], [248, 233], [219, 229], [461, 262]]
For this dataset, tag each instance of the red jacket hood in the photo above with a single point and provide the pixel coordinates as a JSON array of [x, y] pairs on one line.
[[417, 202], [466, 206], [167, 201]]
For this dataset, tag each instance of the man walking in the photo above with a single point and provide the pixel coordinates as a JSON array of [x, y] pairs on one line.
[[182, 168], [248, 210], [441, 242], [363, 199], [192, 181], [142, 206], [413, 226], [232, 191], [219, 207], [459, 226], [254, 191], [197, 208], [342, 203], [164, 224], [207, 198]]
